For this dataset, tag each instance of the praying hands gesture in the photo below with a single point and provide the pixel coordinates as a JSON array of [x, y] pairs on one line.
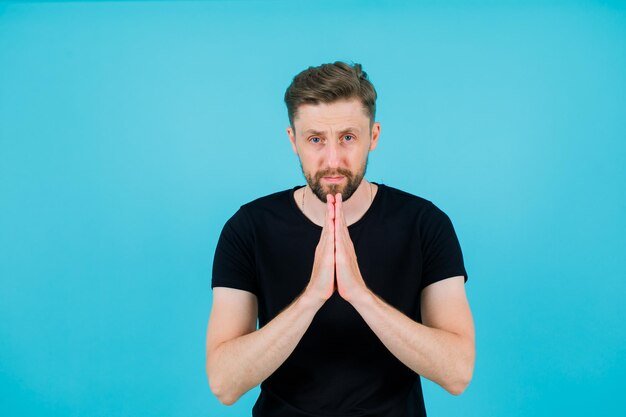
[[335, 265], [441, 348]]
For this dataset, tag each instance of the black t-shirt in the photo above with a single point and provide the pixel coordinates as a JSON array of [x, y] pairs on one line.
[[339, 368]]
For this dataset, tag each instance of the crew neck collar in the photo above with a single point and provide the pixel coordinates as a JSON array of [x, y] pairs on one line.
[[375, 202]]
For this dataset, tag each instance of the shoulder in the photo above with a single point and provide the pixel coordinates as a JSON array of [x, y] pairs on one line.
[[269, 202], [263, 210], [414, 205], [403, 196], [243, 225]]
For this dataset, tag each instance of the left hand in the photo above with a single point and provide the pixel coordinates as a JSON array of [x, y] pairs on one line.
[[350, 284]]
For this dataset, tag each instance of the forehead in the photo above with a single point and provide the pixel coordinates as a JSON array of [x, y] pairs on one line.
[[330, 115]]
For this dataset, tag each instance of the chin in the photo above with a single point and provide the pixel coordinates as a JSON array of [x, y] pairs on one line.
[[335, 189]]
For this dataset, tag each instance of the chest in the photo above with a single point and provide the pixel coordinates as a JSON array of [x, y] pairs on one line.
[[389, 259]]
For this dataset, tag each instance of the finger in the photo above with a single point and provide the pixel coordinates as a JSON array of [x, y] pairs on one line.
[[330, 211], [339, 222], [341, 212], [340, 218], [330, 206], [330, 217], [338, 207], [342, 234]]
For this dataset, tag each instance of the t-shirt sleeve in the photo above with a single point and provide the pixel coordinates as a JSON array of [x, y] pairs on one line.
[[441, 251], [233, 264]]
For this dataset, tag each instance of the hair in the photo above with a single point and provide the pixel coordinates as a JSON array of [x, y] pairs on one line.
[[329, 83]]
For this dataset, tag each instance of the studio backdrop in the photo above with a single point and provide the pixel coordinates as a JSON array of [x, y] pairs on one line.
[[131, 131]]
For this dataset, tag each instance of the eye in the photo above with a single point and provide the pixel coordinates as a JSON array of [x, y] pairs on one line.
[[315, 139], [348, 138]]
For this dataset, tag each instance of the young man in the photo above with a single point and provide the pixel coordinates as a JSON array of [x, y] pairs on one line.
[[358, 286]]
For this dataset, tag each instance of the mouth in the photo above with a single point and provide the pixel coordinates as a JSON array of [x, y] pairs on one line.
[[333, 179]]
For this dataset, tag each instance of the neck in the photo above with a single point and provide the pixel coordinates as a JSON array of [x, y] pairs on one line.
[[354, 208]]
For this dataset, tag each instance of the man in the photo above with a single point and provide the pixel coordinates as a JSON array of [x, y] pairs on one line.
[[358, 286]]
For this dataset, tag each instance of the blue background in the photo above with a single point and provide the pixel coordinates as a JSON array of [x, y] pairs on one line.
[[130, 132]]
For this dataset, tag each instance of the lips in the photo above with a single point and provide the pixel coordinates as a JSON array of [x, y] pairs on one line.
[[334, 179]]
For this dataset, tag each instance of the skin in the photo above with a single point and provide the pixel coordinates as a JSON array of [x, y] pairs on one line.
[[441, 348], [319, 138]]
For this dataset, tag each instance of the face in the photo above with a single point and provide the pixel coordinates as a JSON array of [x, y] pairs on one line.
[[333, 141]]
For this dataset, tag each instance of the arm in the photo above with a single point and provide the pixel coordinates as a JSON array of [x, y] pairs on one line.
[[237, 357], [442, 348]]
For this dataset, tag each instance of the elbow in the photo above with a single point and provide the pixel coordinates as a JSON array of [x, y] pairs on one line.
[[227, 400], [457, 388], [221, 391], [462, 379], [223, 395]]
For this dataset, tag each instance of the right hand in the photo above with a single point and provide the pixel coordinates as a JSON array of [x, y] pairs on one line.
[[322, 284]]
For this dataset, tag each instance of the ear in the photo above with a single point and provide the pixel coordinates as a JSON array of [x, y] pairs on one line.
[[292, 139], [375, 135]]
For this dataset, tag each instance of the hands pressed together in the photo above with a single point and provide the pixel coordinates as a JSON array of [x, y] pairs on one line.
[[335, 265]]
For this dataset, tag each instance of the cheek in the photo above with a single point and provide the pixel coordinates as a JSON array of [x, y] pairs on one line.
[[315, 158], [357, 156], [310, 161]]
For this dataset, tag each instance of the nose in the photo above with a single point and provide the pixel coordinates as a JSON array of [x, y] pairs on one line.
[[332, 154]]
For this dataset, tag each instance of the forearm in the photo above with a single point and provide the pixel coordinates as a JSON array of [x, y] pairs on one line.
[[238, 365], [441, 356]]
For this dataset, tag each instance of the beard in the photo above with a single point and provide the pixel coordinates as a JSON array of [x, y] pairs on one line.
[[353, 181]]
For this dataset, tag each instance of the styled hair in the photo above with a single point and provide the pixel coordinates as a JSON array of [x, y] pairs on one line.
[[329, 83]]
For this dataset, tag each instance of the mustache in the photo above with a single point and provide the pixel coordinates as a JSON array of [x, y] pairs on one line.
[[333, 173]]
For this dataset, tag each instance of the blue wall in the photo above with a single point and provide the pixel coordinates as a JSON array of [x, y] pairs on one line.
[[130, 132]]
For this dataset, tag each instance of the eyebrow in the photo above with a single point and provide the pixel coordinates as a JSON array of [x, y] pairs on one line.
[[345, 130]]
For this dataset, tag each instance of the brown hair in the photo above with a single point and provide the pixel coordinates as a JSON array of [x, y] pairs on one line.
[[329, 83]]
